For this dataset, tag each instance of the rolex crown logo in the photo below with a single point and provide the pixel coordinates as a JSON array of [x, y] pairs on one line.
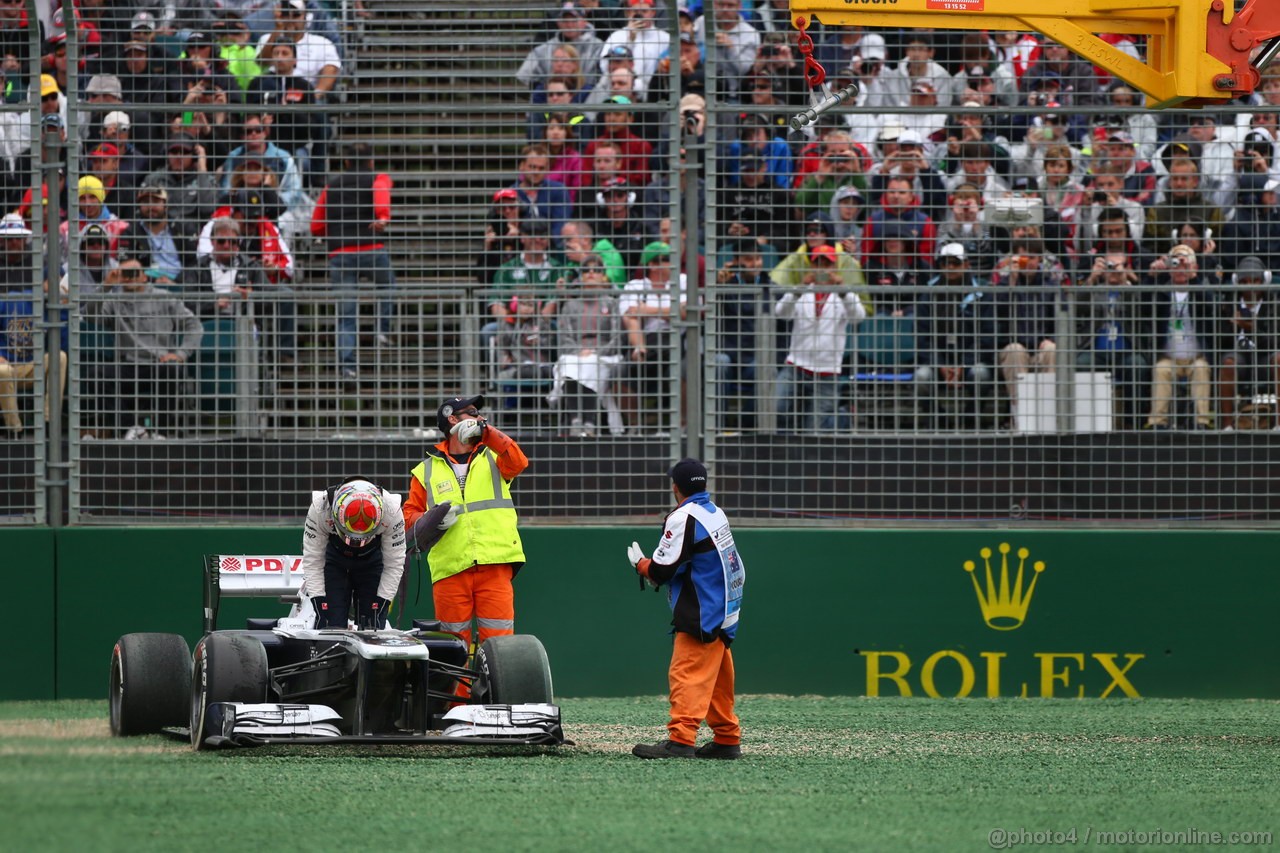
[[1004, 607]]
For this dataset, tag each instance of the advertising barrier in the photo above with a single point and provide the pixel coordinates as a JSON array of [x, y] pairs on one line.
[[878, 613]]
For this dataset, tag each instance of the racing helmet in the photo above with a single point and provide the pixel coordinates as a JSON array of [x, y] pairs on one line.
[[357, 511]]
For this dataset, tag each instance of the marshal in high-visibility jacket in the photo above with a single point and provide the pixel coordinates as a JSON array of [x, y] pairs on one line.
[[473, 562]]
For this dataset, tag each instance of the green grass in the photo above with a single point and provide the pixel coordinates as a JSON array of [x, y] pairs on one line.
[[819, 774]]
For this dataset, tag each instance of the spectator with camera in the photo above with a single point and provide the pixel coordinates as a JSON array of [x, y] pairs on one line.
[[1070, 78], [642, 39], [1026, 283], [1184, 326], [1109, 331], [1107, 216], [838, 167], [808, 383], [1251, 369], [213, 130], [905, 156], [877, 86], [776, 62], [1260, 153], [1047, 129], [1256, 227], [964, 225], [792, 270]]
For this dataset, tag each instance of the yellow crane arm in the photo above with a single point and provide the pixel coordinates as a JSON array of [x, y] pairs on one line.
[[1198, 52]]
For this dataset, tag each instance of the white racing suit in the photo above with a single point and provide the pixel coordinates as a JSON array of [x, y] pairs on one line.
[[335, 571]]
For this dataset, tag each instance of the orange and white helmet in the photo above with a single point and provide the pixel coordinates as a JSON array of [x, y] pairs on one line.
[[357, 511]]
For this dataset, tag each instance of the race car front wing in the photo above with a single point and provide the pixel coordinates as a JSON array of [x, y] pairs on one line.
[[243, 724]]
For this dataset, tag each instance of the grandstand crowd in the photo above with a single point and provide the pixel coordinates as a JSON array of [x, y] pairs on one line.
[[207, 158]]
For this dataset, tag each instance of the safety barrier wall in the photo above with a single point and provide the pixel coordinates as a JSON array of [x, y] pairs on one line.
[[882, 613]]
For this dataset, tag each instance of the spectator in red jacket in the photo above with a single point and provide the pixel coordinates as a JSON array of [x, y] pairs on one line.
[[635, 151], [352, 216]]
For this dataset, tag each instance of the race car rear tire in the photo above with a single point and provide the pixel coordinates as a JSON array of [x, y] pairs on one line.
[[512, 670], [148, 687], [227, 668]]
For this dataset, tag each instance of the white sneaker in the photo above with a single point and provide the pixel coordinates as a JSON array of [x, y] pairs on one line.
[[135, 432], [383, 340]]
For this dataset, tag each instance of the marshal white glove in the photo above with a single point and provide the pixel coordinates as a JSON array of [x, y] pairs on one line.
[[634, 554], [450, 517], [468, 431]]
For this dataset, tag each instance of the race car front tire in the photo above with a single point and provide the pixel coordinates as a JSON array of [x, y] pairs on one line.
[[512, 670], [228, 667], [148, 687]]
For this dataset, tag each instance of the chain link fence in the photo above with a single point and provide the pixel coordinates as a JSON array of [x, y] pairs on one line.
[[992, 289]]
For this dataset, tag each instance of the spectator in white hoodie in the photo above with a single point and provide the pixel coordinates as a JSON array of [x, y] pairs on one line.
[[809, 383]]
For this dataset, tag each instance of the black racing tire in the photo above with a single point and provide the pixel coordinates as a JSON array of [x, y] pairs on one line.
[[512, 670], [148, 688], [227, 667]]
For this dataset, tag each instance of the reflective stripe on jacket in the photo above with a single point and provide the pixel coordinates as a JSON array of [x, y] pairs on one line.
[[485, 533]]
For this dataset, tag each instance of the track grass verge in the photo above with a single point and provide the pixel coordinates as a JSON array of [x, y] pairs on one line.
[[818, 774]]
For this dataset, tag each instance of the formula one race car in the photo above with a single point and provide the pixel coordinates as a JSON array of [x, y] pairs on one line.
[[281, 680]]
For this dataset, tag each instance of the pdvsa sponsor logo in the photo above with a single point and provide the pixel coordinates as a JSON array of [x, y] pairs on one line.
[[1004, 599], [256, 565]]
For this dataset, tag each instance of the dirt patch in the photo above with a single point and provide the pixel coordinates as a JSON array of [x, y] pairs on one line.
[[55, 729]]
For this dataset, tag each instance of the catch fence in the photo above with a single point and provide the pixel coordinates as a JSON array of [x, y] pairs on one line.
[[993, 290]]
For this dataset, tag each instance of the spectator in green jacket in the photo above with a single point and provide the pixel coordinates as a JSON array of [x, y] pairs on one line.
[[580, 241]]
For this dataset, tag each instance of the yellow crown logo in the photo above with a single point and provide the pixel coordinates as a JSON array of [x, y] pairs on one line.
[[1003, 607]]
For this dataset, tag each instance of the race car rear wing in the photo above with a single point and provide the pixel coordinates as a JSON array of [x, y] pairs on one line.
[[248, 576]]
